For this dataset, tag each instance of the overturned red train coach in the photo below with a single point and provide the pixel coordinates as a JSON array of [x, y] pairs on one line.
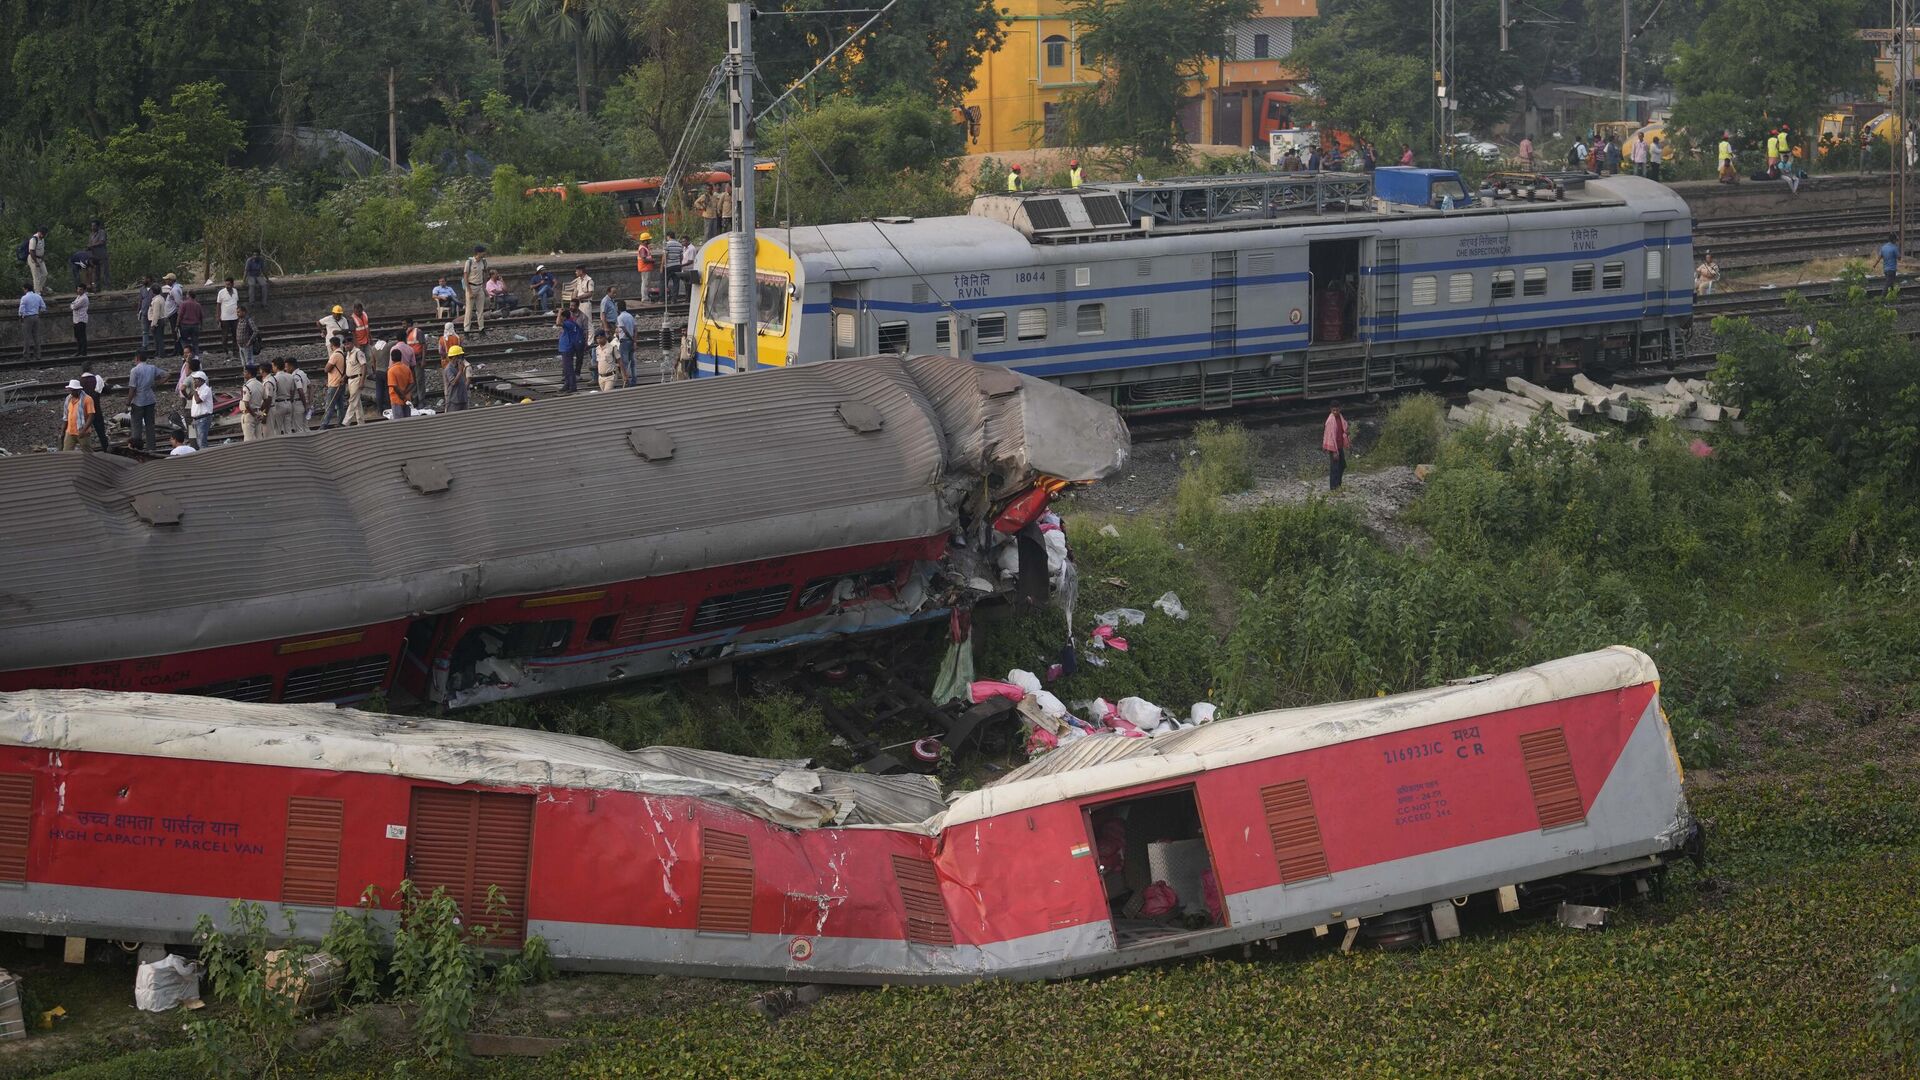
[[131, 815], [516, 551]]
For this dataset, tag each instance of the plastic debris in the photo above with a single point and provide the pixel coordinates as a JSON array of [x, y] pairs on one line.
[[1171, 605], [1055, 672], [1108, 530], [1203, 713], [1141, 713], [166, 983], [1050, 705], [983, 689], [1025, 680], [1125, 616], [1160, 900]]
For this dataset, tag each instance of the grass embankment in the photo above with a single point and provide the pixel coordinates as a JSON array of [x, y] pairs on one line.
[[1789, 684]]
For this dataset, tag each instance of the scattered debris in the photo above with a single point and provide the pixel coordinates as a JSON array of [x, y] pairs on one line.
[[13, 1022], [1689, 404], [1582, 916], [1170, 604], [166, 983]]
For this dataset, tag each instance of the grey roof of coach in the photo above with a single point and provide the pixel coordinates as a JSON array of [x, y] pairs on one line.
[[314, 532]]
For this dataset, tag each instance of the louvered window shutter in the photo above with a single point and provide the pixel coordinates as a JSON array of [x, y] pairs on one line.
[[1556, 792], [1295, 829]]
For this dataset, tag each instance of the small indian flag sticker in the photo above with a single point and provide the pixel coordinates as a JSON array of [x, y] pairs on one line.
[[1081, 851]]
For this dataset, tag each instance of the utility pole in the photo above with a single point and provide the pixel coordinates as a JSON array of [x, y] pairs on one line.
[[1901, 170], [1626, 40], [393, 126], [743, 285], [1440, 57]]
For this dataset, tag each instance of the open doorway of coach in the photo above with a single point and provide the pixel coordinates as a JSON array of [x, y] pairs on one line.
[[1155, 867], [1334, 267]]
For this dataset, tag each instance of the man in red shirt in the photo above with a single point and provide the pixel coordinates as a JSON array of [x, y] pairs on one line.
[[1335, 441]]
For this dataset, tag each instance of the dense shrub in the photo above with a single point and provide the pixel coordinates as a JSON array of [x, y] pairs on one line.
[[1412, 431]]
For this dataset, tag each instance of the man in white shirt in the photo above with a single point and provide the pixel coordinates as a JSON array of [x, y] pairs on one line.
[[171, 294], [200, 397], [335, 324], [229, 300], [82, 305], [181, 447], [473, 275], [580, 289], [37, 259]]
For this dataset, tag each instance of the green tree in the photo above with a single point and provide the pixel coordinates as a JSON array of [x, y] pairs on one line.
[[1756, 60], [1368, 60], [1149, 52], [585, 26], [336, 56], [169, 176], [845, 161], [654, 100], [923, 48], [1840, 408]]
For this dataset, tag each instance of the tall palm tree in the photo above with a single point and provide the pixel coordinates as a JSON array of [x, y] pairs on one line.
[[584, 25]]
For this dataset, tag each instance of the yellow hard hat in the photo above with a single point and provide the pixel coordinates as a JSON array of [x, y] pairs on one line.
[[456, 351], [646, 236], [338, 310]]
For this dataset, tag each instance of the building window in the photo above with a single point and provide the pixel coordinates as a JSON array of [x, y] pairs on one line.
[[893, 338], [1535, 281], [1033, 323], [1460, 289], [1260, 46], [1613, 276], [991, 329], [1583, 278], [1056, 50], [1503, 284], [1426, 290], [943, 333], [1090, 319]]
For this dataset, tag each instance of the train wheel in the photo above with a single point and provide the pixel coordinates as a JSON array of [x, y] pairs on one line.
[[1406, 928]]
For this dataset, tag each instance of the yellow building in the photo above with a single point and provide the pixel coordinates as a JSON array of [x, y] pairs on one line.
[[1019, 87]]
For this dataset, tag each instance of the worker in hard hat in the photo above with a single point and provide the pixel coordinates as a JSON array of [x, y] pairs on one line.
[[1073, 173], [455, 376], [648, 262], [1013, 178], [335, 324]]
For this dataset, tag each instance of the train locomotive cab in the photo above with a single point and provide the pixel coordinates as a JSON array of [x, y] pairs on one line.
[[776, 307]]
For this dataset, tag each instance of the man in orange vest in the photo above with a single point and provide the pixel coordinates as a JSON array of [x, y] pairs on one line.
[[648, 264], [362, 326], [78, 420]]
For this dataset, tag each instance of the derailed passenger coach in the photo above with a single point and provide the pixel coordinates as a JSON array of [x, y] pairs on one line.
[[130, 816], [1206, 292], [528, 549]]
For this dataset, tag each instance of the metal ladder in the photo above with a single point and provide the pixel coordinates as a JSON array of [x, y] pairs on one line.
[[1386, 312], [1225, 325]]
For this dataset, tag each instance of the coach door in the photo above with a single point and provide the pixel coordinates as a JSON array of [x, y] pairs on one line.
[[468, 843], [1655, 271], [1155, 866], [846, 320]]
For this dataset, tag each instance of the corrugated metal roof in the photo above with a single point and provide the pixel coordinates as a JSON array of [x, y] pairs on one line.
[[784, 792], [314, 532]]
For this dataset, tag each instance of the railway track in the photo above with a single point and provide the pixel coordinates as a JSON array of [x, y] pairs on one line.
[[278, 336], [1779, 239]]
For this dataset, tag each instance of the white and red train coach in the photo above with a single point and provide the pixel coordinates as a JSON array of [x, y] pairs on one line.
[[131, 815]]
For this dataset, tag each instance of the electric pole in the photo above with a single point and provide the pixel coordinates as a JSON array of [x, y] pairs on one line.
[[393, 125], [743, 288], [1626, 39]]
